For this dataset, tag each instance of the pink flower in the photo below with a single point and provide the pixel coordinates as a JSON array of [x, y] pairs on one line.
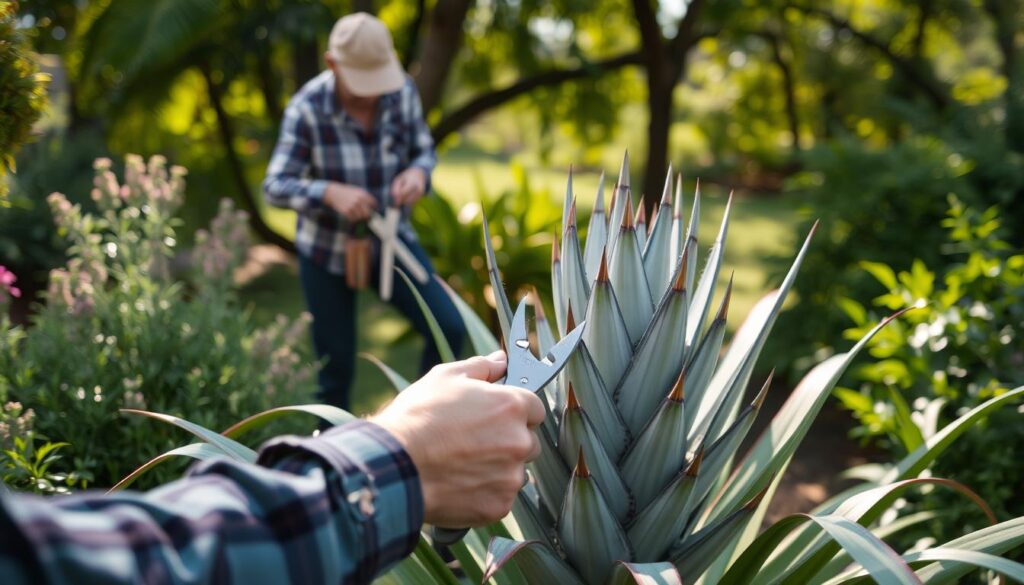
[[7, 280]]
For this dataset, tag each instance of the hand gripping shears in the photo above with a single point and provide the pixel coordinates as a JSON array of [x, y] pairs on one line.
[[524, 371], [386, 229]]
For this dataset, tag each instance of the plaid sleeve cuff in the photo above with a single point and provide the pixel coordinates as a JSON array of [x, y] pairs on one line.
[[316, 190], [379, 482], [428, 169]]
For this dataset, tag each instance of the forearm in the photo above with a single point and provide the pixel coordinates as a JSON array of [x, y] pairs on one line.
[[342, 507], [292, 192]]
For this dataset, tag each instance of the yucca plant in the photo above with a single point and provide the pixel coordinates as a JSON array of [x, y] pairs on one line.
[[639, 479]]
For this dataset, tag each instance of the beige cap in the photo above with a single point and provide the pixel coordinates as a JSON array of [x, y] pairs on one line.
[[361, 45]]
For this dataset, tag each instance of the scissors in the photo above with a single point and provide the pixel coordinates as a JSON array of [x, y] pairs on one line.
[[386, 229], [523, 371]]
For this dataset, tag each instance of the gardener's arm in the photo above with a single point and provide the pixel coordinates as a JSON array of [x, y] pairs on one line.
[[339, 508], [332, 509], [287, 183]]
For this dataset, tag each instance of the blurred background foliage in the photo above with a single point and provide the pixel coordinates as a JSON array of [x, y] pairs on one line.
[[865, 114]]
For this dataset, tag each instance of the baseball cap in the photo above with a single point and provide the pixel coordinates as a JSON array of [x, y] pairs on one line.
[[362, 47]]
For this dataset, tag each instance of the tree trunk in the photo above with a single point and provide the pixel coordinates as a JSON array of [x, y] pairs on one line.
[[659, 105], [440, 46], [412, 35], [227, 135]]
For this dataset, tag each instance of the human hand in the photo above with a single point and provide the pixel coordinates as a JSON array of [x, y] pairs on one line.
[[409, 186], [468, 437], [355, 203]]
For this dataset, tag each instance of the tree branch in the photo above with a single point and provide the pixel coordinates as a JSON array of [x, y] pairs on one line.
[[931, 87], [686, 32], [227, 134], [651, 42], [462, 115]]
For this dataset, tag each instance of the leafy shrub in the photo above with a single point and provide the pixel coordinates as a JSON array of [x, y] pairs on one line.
[[22, 90], [119, 331], [866, 199], [959, 348]]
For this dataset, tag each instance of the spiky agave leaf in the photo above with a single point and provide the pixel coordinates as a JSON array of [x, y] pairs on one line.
[[720, 454], [701, 363], [620, 196], [597, 234], [640, 221], [595, 398], [658, 358], [700, 303], [606, 336], [575, 286], [549, 471], [626, 269], [556, 283], [695, 554], [655, 457], [577, 432], [592, 536], [497, 286], [660, 525], [658, 253]]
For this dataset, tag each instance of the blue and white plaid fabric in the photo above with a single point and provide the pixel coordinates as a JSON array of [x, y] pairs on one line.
[[320, 143], [339, 508]]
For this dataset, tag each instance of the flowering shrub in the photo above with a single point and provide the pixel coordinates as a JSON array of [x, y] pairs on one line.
[[124, 326]]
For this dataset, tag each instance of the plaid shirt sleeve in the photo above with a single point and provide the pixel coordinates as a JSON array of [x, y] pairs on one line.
[[339, 508], [287, 184]]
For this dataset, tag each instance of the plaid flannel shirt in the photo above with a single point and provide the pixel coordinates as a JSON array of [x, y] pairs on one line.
[[339, 508], [321, 143]]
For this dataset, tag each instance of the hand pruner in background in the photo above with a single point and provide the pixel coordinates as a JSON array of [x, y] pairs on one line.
[[386, 229]]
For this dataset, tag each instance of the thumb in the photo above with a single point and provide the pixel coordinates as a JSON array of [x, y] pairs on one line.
[[488, 368]]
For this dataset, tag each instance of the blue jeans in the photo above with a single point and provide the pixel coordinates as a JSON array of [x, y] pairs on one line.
[[333, 307]]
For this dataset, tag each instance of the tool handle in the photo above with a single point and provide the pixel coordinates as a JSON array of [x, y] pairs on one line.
[[447, 536]]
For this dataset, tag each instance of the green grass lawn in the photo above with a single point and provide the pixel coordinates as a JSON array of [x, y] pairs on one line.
[[760, 227]]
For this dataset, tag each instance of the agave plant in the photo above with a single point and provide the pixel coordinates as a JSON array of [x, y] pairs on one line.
[[639, 480]]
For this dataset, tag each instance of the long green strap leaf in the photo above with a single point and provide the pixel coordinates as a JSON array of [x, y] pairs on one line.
[[232, 449], [480, 335], [443, 349], [538, 563], [397, 381], [864, 508], [913, 464], [200, 451], [881, 562], [331, 414], [773, 450]]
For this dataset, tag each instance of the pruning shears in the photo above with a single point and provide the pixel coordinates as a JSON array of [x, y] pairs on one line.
[[386, 229], [524, 371]]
